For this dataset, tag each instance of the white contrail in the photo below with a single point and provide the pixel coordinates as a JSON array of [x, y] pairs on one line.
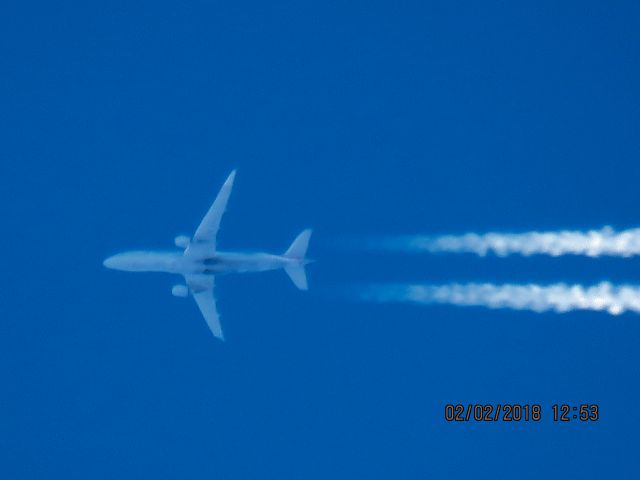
[[593, 243], [560, 297]]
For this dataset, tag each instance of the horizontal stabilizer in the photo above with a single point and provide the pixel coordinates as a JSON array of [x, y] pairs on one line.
[[297, 275], [298, 248]]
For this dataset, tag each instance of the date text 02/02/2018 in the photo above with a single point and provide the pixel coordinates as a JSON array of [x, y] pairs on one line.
[[514, 412]]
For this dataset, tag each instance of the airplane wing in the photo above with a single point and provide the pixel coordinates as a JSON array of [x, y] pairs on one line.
[[204, 240], [201, 287]]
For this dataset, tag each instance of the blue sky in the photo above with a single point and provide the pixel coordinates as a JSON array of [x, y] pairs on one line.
[[119, 121]]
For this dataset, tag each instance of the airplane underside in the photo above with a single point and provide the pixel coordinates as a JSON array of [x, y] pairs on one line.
[[200, 261]]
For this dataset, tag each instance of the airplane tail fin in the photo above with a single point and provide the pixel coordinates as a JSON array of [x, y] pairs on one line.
[[297, 251]]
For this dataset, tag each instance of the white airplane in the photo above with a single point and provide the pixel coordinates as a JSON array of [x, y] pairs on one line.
[[201, 261]]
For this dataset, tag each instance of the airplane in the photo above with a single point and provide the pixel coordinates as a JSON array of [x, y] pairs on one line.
[[200, 261]]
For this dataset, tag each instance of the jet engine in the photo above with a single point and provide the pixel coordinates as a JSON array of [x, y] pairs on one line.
[[180, 291], [182, 241]]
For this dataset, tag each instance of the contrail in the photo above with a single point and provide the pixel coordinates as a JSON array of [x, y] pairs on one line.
[[592, 243], [560, 297]]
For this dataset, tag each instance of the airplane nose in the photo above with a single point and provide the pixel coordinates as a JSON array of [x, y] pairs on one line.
[[110, 262]]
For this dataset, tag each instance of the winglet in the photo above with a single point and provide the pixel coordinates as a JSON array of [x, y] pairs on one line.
[[230, 178]]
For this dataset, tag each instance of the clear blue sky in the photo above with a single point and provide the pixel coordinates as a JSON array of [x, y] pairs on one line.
[[119, 121]]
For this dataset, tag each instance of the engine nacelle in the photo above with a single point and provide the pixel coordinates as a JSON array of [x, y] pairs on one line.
[[182, 241], [180, 291]]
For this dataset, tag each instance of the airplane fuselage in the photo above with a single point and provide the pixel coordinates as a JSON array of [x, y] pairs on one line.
[[178, 263]]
